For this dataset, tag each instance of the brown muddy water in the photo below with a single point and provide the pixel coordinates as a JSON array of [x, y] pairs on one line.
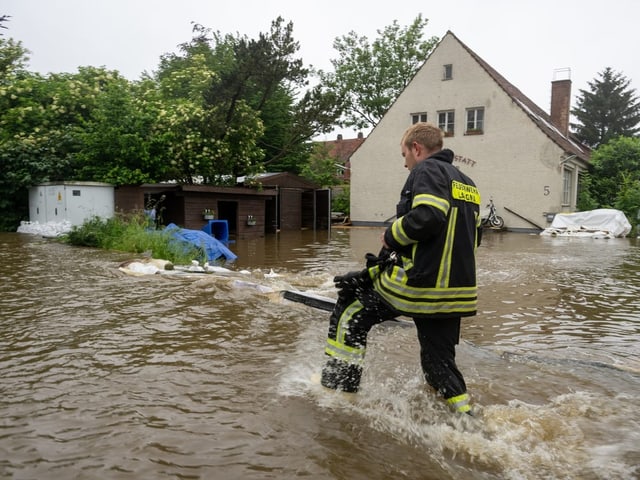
[[206, 376]]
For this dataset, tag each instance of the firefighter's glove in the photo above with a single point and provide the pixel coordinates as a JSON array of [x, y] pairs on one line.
[[352, 281], [385, 259]]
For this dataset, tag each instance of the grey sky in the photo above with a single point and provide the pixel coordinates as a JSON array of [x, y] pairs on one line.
[[526, 41]]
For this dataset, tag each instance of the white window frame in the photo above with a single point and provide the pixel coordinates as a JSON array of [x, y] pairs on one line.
[[446, 122], [567, 186], [418, 117], [475, 120]]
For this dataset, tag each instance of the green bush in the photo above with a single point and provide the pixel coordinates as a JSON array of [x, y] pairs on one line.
[[341, 201], [628, 200], [132, 233]]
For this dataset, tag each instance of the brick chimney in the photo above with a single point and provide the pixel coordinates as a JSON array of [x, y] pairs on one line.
[[561, 102]]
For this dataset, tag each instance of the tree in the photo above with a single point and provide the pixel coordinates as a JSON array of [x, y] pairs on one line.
[[261, 76], [609, 110], [4, 18], [13, 58], [614, 181], [202, 139], [117, 135], [369, 77], [321, 167]]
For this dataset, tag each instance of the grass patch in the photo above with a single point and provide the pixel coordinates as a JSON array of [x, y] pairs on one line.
[[132, 233]]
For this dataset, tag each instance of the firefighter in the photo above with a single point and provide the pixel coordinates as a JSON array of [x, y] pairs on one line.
[[425, 270]]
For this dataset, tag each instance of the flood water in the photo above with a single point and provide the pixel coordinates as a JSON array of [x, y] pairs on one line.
[[205, 376]]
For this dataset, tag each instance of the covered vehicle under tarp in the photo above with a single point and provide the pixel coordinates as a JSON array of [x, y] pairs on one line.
[[600, 223], [212, 247]]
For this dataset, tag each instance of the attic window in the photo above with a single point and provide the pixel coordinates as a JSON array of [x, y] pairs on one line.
[[418, 117], [447, 73]]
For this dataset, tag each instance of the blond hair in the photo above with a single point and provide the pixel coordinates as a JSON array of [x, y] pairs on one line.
[[424, 133]]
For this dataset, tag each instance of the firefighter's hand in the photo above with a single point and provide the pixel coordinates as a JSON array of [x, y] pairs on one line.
[[350, 282]]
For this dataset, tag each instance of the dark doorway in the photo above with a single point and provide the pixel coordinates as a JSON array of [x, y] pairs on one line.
[[229, 211]]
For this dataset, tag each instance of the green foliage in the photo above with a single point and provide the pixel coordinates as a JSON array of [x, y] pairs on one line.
[[13, 57], [609, 110], [132, 234], [341, 201], [628, 200], [224, 106], [586, 201], [321, 167], [370, 76], [611, 164], [246, 110], [614, 179]]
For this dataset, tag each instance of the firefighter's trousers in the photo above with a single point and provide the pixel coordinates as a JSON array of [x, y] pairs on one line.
[[356, 312]]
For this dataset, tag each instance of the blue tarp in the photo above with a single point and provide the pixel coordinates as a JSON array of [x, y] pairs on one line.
[[213, 248]]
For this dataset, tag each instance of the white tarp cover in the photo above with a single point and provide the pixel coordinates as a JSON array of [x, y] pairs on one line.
[[603, 222]]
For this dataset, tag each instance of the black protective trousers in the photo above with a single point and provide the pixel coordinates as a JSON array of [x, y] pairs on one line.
[[356, 312]]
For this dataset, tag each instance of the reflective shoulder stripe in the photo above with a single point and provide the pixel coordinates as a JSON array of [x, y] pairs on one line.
[[441, 204]]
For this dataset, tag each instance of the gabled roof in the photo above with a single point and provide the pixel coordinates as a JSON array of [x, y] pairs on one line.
[[539, 116]]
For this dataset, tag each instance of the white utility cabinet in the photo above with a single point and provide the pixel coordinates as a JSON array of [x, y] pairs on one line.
[[74, 202]]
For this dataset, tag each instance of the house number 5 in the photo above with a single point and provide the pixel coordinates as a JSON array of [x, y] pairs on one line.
[[546, 190]]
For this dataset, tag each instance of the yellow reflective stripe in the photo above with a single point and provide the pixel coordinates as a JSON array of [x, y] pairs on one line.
[[425, 300], [345, 318], [460, 403], [407, 263], [444, 272], [464, 192], [343, 352], [399, 234], [441, 204], [337, 348]]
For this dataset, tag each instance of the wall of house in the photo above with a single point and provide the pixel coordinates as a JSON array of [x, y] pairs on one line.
[[513, 161]]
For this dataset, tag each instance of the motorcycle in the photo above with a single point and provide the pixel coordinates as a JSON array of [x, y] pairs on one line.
[[492, 219]]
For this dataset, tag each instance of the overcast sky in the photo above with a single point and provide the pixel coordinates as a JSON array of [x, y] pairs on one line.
[[526, 41]]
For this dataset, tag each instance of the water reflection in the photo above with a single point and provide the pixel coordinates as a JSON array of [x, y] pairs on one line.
[[110, 376]]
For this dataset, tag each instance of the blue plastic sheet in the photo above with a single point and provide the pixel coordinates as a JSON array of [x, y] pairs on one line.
[[213, 248]]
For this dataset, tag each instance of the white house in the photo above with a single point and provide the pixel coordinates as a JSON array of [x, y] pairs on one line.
[[518, 155]]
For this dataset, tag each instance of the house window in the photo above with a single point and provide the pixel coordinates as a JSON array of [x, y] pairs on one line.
[[475, 121], [418, 117], [445, 122], [447, 72], [567, 185]]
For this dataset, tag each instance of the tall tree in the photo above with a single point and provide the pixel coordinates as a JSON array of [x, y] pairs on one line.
[[264, 76], [609, 109], [370, 76]]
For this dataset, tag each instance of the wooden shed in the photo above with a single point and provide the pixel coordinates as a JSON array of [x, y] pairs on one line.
[[273, 203], [301, 204]]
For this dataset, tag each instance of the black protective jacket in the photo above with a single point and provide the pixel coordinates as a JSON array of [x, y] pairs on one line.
[[435, 236]]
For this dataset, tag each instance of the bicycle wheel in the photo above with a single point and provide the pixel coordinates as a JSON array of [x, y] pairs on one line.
[[497, 221]]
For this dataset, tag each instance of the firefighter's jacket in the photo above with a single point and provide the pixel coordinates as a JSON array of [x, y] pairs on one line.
[[435, 237]]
